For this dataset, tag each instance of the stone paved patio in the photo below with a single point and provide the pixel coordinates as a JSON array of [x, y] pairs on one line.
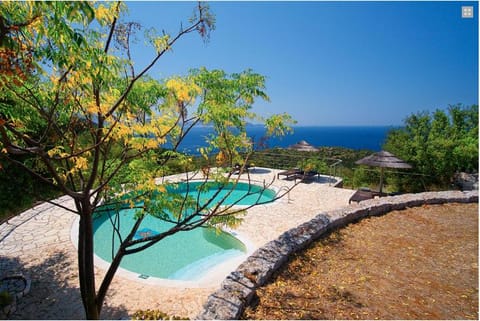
[[38, 244]]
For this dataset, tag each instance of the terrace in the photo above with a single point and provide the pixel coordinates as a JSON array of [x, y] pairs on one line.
[[50, 261]]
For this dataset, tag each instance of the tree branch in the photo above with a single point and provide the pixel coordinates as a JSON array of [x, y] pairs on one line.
[[147, 68]]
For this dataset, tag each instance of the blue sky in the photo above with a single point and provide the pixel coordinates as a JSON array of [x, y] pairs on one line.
[[332, 63]]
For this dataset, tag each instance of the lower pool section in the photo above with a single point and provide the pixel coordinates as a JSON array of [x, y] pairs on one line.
[[182, 256], [186, 256]]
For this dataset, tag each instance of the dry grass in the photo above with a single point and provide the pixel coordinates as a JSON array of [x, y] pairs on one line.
[[420, 263]]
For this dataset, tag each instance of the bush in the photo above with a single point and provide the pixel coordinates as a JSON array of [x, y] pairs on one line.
[[154, 315], [363, 178], [19, 190], [437, 145], [5, 299]]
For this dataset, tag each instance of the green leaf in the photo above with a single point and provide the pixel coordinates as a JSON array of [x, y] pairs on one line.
[[88, 11]]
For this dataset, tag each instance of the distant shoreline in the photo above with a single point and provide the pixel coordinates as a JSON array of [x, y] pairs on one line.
[[353, 137], [326, 126]]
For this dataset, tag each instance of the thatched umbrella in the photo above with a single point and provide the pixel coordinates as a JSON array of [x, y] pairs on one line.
[[303, 146], [383, 160]]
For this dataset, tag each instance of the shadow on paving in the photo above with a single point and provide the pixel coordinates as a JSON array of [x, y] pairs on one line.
[[54, 293]]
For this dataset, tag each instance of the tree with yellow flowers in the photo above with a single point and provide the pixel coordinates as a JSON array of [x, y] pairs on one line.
[[88, 122]]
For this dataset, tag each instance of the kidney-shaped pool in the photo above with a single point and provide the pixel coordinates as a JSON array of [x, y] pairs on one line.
[[186, 256]]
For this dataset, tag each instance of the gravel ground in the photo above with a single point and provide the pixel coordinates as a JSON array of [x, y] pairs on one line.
[[420, 263]]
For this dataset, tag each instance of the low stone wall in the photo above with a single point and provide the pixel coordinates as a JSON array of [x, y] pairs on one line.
[[238, 288]]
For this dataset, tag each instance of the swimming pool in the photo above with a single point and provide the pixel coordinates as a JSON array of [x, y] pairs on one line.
[[184, 256]]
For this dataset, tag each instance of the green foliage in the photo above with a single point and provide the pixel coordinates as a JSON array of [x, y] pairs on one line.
[[19, 190], [279, 125], [155, 315], [361, 177], [232, 220], [437, 145], [313, 164], [5, 299], [226, 106]]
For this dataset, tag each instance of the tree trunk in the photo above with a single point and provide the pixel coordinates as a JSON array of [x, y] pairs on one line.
[[108, 278], [86, 263]]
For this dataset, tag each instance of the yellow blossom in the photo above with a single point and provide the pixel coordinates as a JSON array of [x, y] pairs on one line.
[[183, 91], [103, 14], [151, 143], [220, 158], [80, 163], [161, 43]]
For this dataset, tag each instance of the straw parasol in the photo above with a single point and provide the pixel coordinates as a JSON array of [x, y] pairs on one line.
[[383, 160], [303, 146]]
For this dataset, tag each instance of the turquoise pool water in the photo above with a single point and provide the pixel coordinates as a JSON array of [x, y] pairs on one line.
[[238, 194], [184, 255]]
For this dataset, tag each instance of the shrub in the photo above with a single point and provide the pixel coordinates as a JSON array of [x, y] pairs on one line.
[[5, 299], [437, 145], [154, 315]]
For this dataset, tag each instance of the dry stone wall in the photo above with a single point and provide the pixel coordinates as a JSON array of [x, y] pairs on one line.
[[236, 291]]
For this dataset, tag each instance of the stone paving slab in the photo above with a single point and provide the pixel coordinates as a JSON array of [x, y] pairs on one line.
[[37, 243]]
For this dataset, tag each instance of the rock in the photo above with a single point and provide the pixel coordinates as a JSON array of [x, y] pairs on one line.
[[466, 181]]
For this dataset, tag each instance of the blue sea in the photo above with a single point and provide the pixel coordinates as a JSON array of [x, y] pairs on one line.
[[354, 137]]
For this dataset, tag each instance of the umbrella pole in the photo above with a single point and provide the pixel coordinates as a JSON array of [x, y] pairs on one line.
[[381, 180]]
